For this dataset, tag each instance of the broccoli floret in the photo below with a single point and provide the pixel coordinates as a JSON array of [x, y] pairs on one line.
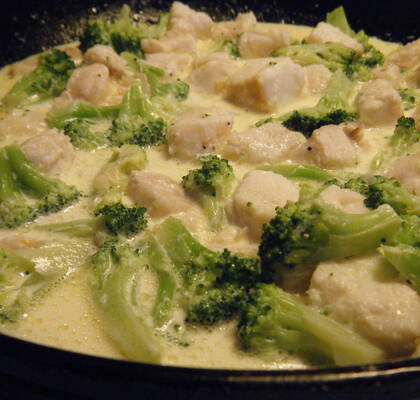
[[118, 270], [19, 177], [306, 124], [300, 235], [121, 219], [334, 56], [362, 65], [115, 219], [82, 137], [380, 190], [123, 34], [215, 285], [410, 97], [137, 122], [210, 185], [178, 88], [404, 139], [332, 108], [276, 321], [229, 47], [27, 273], [79, 110], [404, 254], [48, 80]]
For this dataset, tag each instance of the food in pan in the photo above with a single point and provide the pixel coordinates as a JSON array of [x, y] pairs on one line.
[[230, 194]]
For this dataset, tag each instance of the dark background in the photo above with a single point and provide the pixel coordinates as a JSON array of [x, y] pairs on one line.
[[27, 26]]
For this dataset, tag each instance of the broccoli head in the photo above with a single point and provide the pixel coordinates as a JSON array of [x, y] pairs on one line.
[[410, 97], [380, 190], [82, 137], [304, 236], [137, 122], [210, 185], [48, 80], [121, 219]]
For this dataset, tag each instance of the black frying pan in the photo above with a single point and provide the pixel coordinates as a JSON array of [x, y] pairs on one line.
[[29, 371]]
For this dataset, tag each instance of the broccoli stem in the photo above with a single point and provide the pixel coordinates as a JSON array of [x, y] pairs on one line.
[[298, 171], [352, 234], [161, 264], [27, 174], [277, 320], [406, 259], [80, 110], [81, 228], [8, 187], [117, 271]]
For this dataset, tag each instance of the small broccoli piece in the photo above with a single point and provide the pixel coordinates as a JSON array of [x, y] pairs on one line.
[[27, 273], [17, 177], [114, 219], [299, 171], [121, 219], [362, 65], [48, 80], [118, 270], [410, 97], [53, 194], [210, 185], [123, 34], [306, 124], [215, 285], [334, 56], [404, 254], [111, 181], [137, 122], [404, 139], [14, 209], [276, 321], [178, 88], [300, 235], [380, 190], [79, 110], [229, 47], [82, 137], [332, 108]]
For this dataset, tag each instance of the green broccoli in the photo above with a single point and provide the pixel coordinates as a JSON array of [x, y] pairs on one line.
[[410, 97], [275, 320], [404, 139], [115, 219], [300, 235], [27, 273], [121, 219], [210, 185], [82, 137], [138, 121], [155, 76], [380, 190], [214, 284], [59, 118], [111, 181], [404, 254], [334, 56], [48, 80], [18, 177], [361, 67], [229, 47], [117, 273], [332, 108], [123, 34]]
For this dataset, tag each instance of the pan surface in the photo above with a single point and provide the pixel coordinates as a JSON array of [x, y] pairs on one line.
[[31, 371]]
